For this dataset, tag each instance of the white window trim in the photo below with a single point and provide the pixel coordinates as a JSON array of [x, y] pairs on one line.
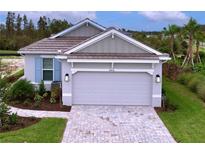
[[48, 81]]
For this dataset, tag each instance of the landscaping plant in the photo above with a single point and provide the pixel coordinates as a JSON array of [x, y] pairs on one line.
[[14, 77], [38, 98], [52, 100], [20, 90], [3, 87], [201, 91], [4, 112], [42, 88], [13, 118], [55, 91]]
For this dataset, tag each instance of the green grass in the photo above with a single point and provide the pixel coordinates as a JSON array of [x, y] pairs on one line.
[[187, 123], [8, 53], [48, 130]]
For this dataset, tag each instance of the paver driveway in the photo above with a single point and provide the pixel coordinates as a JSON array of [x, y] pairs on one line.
[[115, 124]]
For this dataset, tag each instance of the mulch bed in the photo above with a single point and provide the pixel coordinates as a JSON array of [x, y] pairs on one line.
[[45, 106], [161, 109], [22, 122]]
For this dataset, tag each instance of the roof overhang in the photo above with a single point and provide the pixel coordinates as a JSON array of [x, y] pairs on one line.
[[113, 32], [86, 21], [111, 61], [37, 52]]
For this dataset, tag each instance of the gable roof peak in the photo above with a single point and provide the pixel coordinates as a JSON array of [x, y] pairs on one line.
[[84, 21]]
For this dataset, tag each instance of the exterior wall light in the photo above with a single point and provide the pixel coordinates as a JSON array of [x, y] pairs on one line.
[[66, 77], [158, 80]]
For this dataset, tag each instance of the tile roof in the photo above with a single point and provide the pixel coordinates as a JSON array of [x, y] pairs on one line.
[[53, 45]]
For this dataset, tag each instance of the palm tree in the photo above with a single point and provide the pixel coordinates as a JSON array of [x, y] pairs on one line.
[[199, 37], [190, 30], [171, 32]]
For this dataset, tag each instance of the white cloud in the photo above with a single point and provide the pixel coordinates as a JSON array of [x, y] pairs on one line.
[[70, 16], [170, 16]]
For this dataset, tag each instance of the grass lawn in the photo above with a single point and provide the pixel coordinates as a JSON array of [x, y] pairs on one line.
[[48, 130], [8, 52], [187, 123]]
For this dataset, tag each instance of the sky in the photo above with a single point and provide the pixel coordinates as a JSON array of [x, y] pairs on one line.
[[140, 21]]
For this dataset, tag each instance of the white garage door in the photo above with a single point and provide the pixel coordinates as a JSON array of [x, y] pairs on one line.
[[111, 88]]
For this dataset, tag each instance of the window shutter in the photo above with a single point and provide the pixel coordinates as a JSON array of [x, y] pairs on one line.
[[38, 69], [57, 70]]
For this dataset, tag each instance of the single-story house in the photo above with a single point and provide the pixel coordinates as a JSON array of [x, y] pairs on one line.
[[97, 66]]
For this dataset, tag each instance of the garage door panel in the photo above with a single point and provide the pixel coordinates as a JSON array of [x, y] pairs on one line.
[[112, 88]]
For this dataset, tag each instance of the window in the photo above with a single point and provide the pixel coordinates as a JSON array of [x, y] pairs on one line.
[[47, 69]]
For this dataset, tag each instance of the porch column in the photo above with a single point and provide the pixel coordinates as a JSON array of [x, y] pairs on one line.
[[157, 87], [66, 85]]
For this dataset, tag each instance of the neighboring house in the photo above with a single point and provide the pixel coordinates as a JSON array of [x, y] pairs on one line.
[[97, 66]]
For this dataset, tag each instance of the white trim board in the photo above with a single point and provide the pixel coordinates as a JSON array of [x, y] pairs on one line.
[[67, 94], [61, 57], [113, 32], [110, 61], [74, 70], [156, 96], [87, 21]]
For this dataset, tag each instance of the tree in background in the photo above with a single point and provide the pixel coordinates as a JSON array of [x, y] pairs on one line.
[[18, 24], [58, 25], [190, 30], [171, 32], [42, 27], [10, 19], [199, 37], [20, 31]]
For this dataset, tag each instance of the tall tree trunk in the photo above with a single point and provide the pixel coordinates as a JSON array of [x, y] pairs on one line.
[[172, 47], [189, 57], [198, 59]]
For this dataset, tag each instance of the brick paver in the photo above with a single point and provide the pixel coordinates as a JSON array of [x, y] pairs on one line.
[[115, 124], [108, 124]]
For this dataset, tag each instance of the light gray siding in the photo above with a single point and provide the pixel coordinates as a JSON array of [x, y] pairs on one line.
[[84, 30], [111, 88], [112, 45], [29, 67], [30, 70]]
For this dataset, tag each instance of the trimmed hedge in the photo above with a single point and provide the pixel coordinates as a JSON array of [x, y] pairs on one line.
[[195, 82]]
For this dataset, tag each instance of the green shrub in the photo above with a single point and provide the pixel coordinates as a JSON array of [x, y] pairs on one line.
[[4, 112], [52, 100], [13, 118], [201, 91], [27, 101], [20, 90], [3, 87], [55, 91], [14, 77], [184, 78], [38, 98], [45, 95], [42, 88], [195, 81]]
